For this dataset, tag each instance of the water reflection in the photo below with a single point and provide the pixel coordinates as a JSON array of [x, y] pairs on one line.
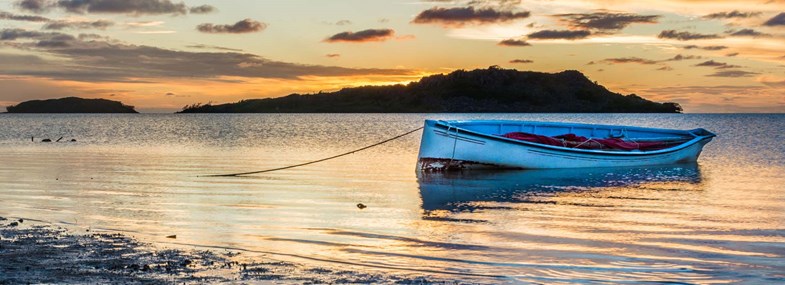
[[459, 191]]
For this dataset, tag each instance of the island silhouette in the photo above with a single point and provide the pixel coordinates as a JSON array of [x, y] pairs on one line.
[[71, 105], [491, 90]]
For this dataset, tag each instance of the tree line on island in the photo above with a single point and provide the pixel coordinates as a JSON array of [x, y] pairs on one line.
[[491, 90]]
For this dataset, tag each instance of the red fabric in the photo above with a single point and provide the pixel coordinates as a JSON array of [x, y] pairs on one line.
[[575, 141]]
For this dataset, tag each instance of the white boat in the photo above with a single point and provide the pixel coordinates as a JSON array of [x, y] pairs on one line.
[[471, 144]]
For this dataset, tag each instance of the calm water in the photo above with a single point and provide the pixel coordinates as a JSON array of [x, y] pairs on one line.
[[722, 220]]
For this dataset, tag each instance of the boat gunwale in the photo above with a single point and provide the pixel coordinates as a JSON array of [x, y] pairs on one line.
[[447, 125]]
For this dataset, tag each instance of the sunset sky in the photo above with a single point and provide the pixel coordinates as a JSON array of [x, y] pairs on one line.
[[159, 55]]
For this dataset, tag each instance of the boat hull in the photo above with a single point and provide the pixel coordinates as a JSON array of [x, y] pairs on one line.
[[444, 147]]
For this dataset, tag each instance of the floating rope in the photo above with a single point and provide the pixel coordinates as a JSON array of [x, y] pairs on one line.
[[316, 161]]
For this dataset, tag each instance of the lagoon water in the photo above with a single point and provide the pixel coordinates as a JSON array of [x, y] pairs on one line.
[[721, 220]]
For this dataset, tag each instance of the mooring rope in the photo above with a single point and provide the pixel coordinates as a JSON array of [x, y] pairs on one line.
[[315, 161]]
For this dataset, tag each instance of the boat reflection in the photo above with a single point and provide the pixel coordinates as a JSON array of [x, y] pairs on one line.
[[456, 191]]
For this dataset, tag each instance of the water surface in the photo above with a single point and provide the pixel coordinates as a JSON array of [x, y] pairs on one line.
[[721, 220]]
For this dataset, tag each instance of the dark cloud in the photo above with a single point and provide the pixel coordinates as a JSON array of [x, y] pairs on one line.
[[133, 7], [169, 94], [747, 33], [203, 46], [685, 36], [665, 68], [732, 54], [733, 73], [204, 9], [244, 26], [717, 65], [333, 55], [514, 43], [560, 34], [459, 16], [60, 25], [778, 20], [369, 35], [28, 18], [637, 60], [680, 57], [14, 34], [521, 61], [606, 20], [112, 61], [37, 6], [732, 14], [705, 47]]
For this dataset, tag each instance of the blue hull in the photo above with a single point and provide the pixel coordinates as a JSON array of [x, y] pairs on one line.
[[479, 144]]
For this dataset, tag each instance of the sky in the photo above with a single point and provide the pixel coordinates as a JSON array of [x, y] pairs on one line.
[[160, 55]]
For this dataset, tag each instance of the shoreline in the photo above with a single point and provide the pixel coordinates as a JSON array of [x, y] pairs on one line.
[[34, 252]]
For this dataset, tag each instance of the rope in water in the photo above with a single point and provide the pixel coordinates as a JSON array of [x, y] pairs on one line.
[[316, 161]]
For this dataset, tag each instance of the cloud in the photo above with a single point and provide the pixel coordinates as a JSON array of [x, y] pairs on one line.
[[680, 57], [514, 43], [244, 26], [112, 61], [37, 6], [133, 7], [778, 20], [717, 65], [732, 14], [637, 60], [333, 55], [732, 73], [203, 46], [732, 54], [369, 35], [203, 9], [14, 34], [28, 18], [521, 61], [145, 23], [665, 68], [772, 82], [685, 36], [136, 7], [169, 94], [460, 16], [747, 33], [606, 20], [59, 25], [559, 34], [705, 47], [343, 23]]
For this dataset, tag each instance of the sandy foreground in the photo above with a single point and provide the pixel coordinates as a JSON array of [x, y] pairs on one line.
[[35, 253]]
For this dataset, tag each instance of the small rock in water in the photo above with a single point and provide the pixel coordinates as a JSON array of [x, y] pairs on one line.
[[13, 224], [171, 236], [73, 140], [21, 221], [361, 206], [46, 140]]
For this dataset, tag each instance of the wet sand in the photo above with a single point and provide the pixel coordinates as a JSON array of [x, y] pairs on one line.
[[37, 253]]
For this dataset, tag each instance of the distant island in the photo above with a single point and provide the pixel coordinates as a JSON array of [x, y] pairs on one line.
[[492, 90], [71, 105]]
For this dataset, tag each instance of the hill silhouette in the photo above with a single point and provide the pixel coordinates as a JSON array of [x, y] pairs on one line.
[[481, 90], [71, 105]]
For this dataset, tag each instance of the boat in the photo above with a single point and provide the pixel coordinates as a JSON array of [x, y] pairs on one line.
[[477, 144]]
